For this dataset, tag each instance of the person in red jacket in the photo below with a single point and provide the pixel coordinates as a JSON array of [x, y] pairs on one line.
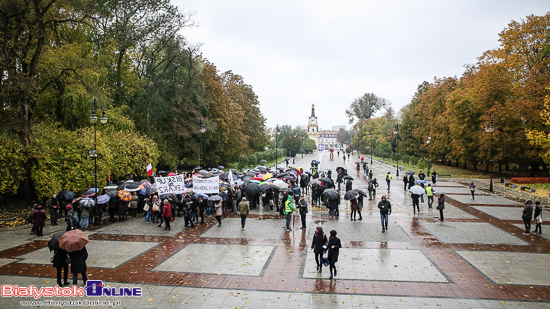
[[167, 214]]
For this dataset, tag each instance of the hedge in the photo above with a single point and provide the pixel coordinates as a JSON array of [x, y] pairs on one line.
[[529, 180]]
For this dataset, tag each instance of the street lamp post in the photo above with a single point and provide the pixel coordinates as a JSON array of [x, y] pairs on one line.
[[490, 129], [370, 135], [396, 132], [93, 153], [276, 147], [202, 130], [428, 150]]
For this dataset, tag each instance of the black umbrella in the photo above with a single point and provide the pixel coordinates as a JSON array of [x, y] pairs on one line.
[[326, 180], [289, 177], [234, 171], [287, 159], [350, 195], [409, 172], [224, 176], [265, 187], [65, 195], [262, 168], [291, 169], [360, 192], [252, 189], [53, 244], [162, 172], [221, 166], [121, 187], [314, 182], [250, 174], [280, 175], [331, 194], [284, 189], [112, 193], [347, 177], [164, 196]]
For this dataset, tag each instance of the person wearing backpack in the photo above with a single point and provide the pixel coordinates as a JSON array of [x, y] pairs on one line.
[[72, 216]]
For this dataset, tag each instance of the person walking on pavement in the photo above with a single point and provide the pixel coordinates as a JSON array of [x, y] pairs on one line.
[[339, 179], [219, 211], [472, 189], [302, 206], [388, 180], [318, 246], [333, 248], [411, 181], [527, 216], [538, 218], [52, 206], [354, 206], [434, 176], [349, 185], [360, 206], [244, 210], [441, 205], [415, 200], [289, 209], [421, 175], [405, 182], [430, 195], [370, 174], [385, 210]]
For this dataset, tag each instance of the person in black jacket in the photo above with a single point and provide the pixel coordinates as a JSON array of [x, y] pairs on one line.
[[60, 263], [317, 245], [349, 185], [333, 248], [385, 210], [78, 264], [302, 206], [415, 200]]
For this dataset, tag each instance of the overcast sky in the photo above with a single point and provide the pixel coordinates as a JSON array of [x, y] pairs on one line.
[[297, 53]]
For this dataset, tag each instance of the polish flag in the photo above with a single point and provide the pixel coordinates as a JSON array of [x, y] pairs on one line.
[[149, 169]]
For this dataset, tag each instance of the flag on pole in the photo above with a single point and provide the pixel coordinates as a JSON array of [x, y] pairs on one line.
[[149, 169], [230, 177]]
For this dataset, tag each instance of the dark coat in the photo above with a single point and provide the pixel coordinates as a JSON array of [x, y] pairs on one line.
[[302, 205], [441, 202], [349, 185], [39, 217], [333, 253], [60, 258], [385, 207], [78, 261], [354, 204], [527, 212], [319, 240]]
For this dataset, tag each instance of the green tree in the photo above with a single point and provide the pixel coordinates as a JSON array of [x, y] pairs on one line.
[[365, 107]]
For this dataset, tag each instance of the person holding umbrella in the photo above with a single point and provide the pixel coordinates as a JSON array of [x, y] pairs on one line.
[[60, 263], [289, 209], [354, 207], [385, 210], [74, 242], [349, 185]]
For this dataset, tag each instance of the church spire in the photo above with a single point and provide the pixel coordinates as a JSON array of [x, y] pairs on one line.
[[312, 110]]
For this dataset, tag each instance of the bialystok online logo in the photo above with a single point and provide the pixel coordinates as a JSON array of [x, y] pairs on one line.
[[93, 288]]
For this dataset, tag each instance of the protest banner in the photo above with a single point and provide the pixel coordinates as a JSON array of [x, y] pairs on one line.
[[206, 185], [170, 184]]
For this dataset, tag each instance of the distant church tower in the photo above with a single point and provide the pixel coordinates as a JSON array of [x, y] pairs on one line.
[[313, 127]]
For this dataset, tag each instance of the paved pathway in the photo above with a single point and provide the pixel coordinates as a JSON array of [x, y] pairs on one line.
[[477, 258]]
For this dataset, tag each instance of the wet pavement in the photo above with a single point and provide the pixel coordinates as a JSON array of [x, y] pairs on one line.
[[477, 258]]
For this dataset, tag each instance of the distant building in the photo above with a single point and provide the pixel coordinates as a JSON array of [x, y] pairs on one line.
[[329, 139], [313, 126], [337, 128]]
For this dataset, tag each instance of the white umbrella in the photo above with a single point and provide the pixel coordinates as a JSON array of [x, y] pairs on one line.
[[417, 190]]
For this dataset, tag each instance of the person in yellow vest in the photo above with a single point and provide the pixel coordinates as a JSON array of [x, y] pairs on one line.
[[430, 194], [388, 180], [289, 209]]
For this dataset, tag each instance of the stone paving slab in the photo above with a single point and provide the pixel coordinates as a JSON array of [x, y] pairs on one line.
[[219, 259], [446, 184], [459, 190], [511, 267], [404, 209], [471, 233], [545, 230], [137, 226], [6, 261], [366, 230], [508, 213], [483, 200], [102, 253], [255, 228], [162, 296], [378, 264]]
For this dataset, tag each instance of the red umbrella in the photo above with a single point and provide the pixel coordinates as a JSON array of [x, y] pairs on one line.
[[73, 240], [258, 178], [125, 195], [171, 174]]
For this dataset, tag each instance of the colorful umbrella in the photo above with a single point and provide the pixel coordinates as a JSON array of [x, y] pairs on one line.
[[125, 195], [73, 240], [267, 176], [87, 202]]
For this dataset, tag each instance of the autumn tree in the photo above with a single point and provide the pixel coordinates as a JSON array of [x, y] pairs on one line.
[[365, 107]]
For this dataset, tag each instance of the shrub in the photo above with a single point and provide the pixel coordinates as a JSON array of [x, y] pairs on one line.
[[528, 180]]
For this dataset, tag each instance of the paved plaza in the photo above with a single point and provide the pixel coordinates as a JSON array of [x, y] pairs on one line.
[[477, 258]]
